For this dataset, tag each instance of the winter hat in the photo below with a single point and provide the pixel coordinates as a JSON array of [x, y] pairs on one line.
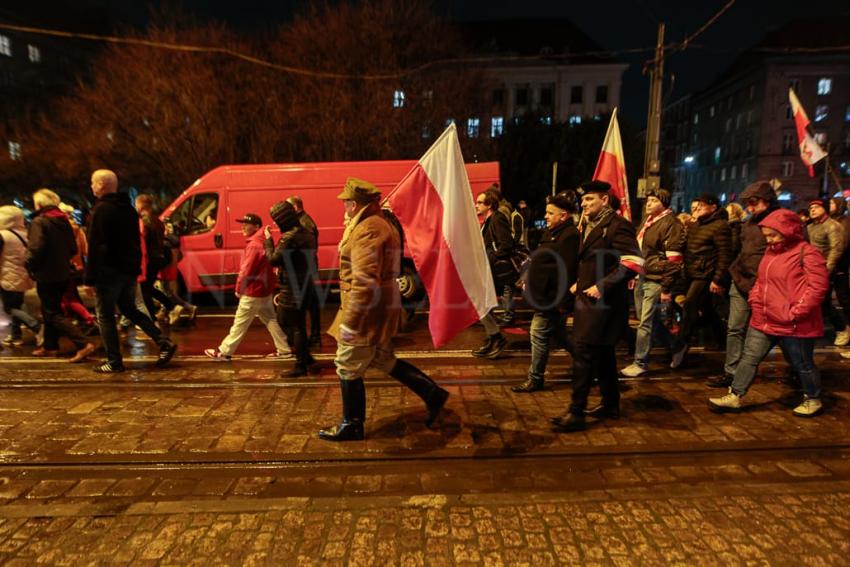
[[708, 199], [565, 200], [662, 195], [284, 216], [759, 190]]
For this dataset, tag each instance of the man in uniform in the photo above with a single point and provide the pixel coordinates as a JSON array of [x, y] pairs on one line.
[[369, 313], [608, 257]]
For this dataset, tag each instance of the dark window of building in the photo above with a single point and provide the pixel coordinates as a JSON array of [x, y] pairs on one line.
[[547, 96], [522, 96], [602, 93], [576, 94], [499, 97]]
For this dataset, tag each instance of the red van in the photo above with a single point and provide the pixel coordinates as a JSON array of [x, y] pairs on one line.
[[205, 214]]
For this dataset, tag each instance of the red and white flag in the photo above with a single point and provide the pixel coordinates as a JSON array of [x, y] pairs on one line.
[[611, 166], [810, 150], [434, 205]]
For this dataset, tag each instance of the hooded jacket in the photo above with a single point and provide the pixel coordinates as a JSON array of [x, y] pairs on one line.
[[255, 278], [708, 252], [792, 282], [51, 246], [13, 250]]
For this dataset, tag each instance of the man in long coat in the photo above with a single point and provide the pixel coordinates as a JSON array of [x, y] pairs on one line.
[[369, 313], [609, 256]]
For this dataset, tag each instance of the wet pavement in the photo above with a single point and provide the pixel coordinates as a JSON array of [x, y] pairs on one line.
[[219, 462]]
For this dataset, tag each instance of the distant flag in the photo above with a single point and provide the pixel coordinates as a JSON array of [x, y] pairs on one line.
[[434, 205], [810, 150], [611, 166]]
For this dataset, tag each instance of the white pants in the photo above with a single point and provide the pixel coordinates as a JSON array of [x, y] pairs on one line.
[[250, 307]]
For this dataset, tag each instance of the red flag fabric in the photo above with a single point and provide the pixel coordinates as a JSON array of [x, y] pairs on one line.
[[434, 205], [810, 150], [611, 166]]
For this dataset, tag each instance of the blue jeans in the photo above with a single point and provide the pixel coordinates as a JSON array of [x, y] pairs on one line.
[[647, 305], [799, 352], [114, 288], [13, 304], [736, 329], [546, 325]]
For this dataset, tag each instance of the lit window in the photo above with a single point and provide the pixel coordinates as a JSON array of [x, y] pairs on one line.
[[821, 112], [728, 124], [5, 45], [472, 127], [738, 120], [733, 172], [787, 142], [717, 155], [426, 132], [825, 86], [34, 53], [398, 99], [497, 126], [15, 150], [787, 168], [745, 170], [711, 111], [723, 174], [696, 118], [547, 120], [574, 119]]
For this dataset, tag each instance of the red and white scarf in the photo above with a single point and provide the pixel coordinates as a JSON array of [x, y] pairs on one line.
[[649, 222]]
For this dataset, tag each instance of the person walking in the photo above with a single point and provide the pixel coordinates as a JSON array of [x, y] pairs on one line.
[[14, 279], [827, 235], [115, 262], [785, 300], [254, 288], [840, 280], [72, 303], [315, 309], [293, 257], [708, 254], [498, 244], [551, 273], [369, 313], [662, 240], [761, 201], [608, 257], [50, 248]]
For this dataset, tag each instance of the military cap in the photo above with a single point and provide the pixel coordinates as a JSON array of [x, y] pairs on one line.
[[359, 190], [594, 186]]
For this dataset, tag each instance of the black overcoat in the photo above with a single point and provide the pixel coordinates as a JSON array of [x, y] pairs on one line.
[[608, 258]]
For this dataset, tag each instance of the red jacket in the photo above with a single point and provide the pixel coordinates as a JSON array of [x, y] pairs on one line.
[[791, 284], [255, 274]]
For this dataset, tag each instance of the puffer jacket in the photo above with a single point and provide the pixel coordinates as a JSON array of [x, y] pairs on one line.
[[662, 247], [792, 282], [844, 220], [51, 246], [745, 267], [828, 237], [294, 256], [13, 250], [708, 252]]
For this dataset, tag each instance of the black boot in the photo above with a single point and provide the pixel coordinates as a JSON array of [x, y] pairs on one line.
[[530, 385], [423, 386], [353, 413], [492, 347]]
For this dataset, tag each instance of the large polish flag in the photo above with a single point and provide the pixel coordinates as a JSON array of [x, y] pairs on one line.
[[810, 150], [434, 204], [611, 166]]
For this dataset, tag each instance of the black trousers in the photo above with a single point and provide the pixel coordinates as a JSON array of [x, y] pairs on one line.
[[840, 281], [293, 321], [589, 362], [55, 322], [699, 299]]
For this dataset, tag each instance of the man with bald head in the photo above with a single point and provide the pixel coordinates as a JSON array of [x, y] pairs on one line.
[[115, 258]]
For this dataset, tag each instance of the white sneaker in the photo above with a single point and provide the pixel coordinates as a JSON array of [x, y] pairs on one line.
[[39, 336], [216, 355], [633, 370], [809, 408], [730, 402], [280, 355], [842, 338], [679, 357], [174, 315]]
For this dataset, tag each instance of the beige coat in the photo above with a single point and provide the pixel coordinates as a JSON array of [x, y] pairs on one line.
[[369, 262]]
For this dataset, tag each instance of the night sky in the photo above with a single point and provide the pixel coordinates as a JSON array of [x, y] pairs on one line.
[[614, 25]]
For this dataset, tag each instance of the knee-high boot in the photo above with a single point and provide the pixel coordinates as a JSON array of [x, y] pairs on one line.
[[353, 413], [423, 386]]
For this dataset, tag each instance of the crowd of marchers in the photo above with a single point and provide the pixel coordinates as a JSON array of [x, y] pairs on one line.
[[753, 276]]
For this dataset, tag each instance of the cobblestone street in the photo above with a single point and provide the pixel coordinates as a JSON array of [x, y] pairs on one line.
[[207, 462]]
